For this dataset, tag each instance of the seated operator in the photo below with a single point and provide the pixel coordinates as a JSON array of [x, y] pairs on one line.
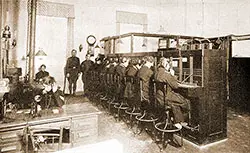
[[41, 74], [177, 102], [51, 88]]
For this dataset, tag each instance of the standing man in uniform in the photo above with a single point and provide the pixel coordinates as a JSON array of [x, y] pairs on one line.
[[85, 68], [72, 71]]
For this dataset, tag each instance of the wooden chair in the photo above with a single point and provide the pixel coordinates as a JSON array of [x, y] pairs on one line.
[[120, 105], [111, 91], [146, 120], [134, 109], [40, 138]]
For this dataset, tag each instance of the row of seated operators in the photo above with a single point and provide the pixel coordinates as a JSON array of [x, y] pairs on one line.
[[128, 79]]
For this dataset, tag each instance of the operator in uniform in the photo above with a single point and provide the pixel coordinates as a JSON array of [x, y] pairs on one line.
[[72, 70], [178, 103], [120, 71], [130, 88], [145, 74], [85, 69]]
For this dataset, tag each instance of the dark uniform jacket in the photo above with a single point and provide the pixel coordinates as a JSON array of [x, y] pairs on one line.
[[111, 69], [130, 88], [73, 66], [98, 67], [85, 68], [132, 71], [145, 74], [163, 76], [120, 70], [173, 98], [41, 75]]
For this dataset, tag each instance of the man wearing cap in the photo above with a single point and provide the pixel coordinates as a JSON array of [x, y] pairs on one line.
[[85, 68], [72, 71]]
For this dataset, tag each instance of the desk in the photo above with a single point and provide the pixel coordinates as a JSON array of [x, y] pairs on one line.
[[81, 119]]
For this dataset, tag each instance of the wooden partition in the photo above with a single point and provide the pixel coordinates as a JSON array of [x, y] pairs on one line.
[[205, 70]]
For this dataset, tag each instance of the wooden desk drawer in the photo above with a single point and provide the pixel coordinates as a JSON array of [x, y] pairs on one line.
[[84, 136], [79, 126], [10, 136], [13, 146], [84, 123]]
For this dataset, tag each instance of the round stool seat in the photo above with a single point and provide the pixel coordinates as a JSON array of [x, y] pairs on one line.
[[133, 111], [121, 106], [110, 101], [168, 107], [113, 102], [163, 128], [146, 118]]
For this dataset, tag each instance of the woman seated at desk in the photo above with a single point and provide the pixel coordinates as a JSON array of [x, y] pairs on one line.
[[41, 74], [177, 102], [51, 89]]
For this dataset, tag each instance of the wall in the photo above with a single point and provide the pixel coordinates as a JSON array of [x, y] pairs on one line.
[[206, 18], [98, 17]]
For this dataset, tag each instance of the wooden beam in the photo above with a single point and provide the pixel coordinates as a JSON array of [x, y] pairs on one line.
[[240, 37], [133, 54], [132, 44], [32, 38], [180, 68], [149, 35], [191, 66]]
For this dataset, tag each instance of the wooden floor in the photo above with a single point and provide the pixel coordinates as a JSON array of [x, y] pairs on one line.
[[238, 140]]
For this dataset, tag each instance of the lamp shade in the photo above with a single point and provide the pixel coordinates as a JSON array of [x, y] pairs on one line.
[[97, 46], [161, 30], [41, 53], [119, 41], [6, 32]]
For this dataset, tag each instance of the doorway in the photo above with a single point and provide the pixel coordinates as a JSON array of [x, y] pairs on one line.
[[239, 74], [240, 83]]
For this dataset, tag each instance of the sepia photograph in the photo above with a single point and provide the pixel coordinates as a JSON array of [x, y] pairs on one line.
[[124, 76]]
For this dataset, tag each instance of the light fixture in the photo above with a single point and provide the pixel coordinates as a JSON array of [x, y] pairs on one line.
[[161, 30], [6, 33], [97, 46], [23, 58], [41, 53], [80, 47], [13, 43], [119, 40], [144, 44]]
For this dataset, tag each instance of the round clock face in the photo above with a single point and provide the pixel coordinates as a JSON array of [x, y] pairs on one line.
[[91, 40]]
